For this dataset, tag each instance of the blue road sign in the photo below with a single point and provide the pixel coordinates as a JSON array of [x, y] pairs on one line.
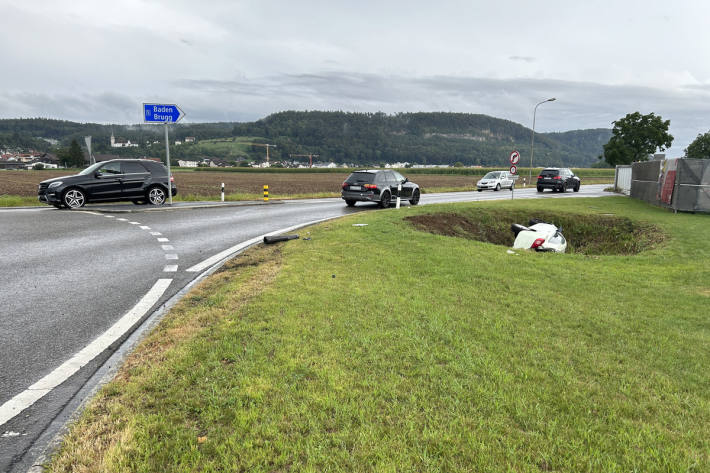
[[161, 113]]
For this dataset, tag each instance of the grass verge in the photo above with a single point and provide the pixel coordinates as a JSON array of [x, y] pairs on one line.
[[18, 201], [384, 348]]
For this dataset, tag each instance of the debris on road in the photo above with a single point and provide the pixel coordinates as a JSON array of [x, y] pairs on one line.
[[275, 239]]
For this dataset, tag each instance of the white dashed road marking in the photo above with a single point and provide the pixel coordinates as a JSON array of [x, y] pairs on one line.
[[170, 268], [162, 240], [171, 256], [145, 227], [167, 247]]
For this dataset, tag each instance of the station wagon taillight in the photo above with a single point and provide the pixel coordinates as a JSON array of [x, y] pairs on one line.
[[540, 176], [172, 179], [371, 186], [557, 177], [345, 184]]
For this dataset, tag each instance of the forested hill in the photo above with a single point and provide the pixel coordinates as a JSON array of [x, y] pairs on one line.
[[425, 138], [342, 137]]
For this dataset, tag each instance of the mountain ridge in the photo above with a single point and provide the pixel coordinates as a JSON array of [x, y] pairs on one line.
[[342, 137]]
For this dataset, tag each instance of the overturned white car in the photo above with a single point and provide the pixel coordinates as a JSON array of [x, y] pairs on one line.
[[539, 236]]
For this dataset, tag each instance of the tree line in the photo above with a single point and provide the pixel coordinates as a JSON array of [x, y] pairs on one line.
[[342, 137]]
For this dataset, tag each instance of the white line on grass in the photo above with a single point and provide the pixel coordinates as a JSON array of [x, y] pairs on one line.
[[60, 374]]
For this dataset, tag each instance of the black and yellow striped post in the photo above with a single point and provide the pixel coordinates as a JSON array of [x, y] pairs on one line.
[[266, 193]]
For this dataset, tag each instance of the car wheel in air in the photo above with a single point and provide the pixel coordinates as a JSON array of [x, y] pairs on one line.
[[385, 200], [497, 188], [74, 198], [415, 197], [350, 203], [156, 195], [539, 189]]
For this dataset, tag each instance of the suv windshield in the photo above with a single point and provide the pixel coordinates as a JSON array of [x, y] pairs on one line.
[[90, 169], [361, 177], [491, 175]]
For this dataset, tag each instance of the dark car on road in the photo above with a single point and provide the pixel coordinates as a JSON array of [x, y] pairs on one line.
[[557, 179], [141, 181], [379, 185]]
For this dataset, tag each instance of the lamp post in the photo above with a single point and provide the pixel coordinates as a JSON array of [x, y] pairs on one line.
[[532, 142]]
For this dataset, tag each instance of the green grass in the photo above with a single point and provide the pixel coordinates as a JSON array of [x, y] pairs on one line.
[[18, 201], [386, 348]]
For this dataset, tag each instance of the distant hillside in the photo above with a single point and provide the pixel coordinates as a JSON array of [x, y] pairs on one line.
[[343, 137], [425, 138]]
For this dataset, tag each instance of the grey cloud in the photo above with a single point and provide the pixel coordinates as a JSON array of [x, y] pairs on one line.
[[522, 58], [579, 104]]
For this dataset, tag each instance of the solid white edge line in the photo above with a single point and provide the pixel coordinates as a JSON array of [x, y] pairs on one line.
[[60, 374], [229, 251]]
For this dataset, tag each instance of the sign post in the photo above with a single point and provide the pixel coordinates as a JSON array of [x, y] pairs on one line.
[[514, 158], [163, 113]]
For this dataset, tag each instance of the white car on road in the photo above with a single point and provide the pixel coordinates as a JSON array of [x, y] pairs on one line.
[[496, 180]]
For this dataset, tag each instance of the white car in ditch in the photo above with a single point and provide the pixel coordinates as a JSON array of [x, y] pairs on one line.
[[539, 236]]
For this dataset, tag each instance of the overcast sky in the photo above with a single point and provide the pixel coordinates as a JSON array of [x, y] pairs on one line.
[[98, 61]]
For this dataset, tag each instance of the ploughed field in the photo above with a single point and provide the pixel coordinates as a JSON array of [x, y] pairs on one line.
[[207, 184]]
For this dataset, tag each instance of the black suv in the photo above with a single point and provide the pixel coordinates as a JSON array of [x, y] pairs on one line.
[[557, 179], [139, 180], [378, 186]]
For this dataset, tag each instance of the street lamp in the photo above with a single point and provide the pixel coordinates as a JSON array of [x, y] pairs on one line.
[[532, 143]]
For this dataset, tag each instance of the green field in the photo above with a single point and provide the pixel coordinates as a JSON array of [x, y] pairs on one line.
[[227, 148], [387, 348]]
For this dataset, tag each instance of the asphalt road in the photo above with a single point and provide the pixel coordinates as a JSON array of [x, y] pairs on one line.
[[68, 277]]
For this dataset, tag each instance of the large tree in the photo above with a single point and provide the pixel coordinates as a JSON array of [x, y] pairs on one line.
[[699, 148], [636, 137], [72, 157]]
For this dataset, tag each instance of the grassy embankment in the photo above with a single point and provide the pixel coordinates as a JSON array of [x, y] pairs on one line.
[[385, 348]]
